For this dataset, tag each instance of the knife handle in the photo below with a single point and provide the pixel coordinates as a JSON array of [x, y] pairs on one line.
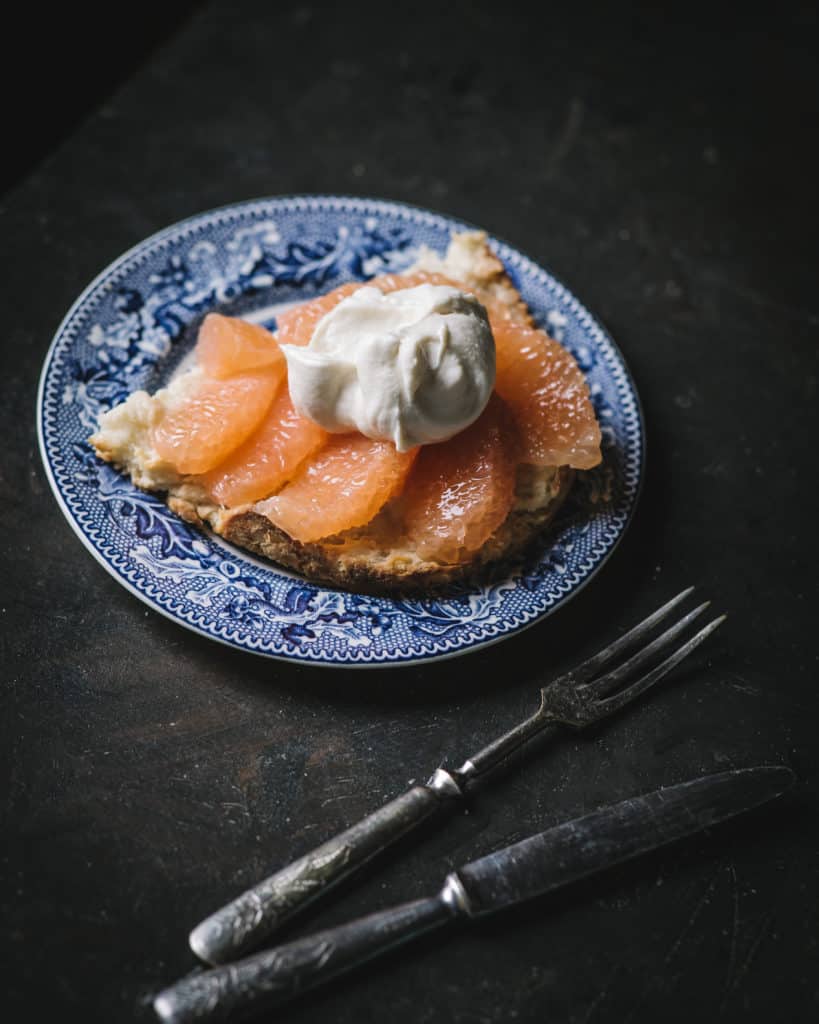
[[244, 923], [266, 979]]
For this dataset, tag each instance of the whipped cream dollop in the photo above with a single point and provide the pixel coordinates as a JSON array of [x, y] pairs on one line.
[[413, 366]]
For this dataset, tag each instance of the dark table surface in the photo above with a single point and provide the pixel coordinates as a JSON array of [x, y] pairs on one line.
[[664, 170]]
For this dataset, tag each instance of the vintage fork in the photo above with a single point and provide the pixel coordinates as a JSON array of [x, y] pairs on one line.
[[577, 699]]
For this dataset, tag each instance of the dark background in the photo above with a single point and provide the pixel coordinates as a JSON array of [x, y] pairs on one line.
[[664, 166]]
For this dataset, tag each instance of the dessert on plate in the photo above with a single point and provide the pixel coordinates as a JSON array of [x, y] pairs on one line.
[[394, 434]]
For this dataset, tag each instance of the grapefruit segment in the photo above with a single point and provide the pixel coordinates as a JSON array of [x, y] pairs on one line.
[[295, 326], [227, 345], [345, 484], [269, 457], [395, 282], [217, 417], [548, 395], [460, 491]]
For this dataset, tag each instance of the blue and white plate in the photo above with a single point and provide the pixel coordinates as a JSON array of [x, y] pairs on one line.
[[133, 325]]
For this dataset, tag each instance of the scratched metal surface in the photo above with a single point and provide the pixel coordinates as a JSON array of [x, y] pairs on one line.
[[661, 169]]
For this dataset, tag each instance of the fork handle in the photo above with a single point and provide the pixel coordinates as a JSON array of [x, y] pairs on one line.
[[244, 923], [266, 979]]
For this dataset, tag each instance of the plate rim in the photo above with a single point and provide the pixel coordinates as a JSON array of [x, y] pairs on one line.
[[402, 659]]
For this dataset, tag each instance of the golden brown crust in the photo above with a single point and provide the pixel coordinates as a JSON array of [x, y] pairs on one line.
[[373, 570], [470, 261]]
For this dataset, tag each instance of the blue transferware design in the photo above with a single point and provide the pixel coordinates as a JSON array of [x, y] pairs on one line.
[[134, 323]]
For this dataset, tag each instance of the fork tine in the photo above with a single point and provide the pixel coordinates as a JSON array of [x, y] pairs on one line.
[[588, 669], [605, 684], [618, 700]]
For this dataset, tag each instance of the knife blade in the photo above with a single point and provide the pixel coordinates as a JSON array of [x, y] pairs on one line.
[[512, 875]]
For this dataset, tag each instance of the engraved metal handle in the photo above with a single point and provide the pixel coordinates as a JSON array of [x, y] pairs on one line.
[[266, 979], [244, 923]]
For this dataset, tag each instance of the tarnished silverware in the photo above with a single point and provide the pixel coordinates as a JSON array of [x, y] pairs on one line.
[[539, 864], [577, 699]]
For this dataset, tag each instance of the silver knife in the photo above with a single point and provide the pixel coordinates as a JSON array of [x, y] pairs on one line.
[[537, 865]]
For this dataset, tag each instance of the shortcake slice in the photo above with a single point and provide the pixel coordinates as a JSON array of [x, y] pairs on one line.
[[471, 425]]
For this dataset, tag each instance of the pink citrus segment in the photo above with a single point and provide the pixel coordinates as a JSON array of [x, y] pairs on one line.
[[548, 395], [215, 419], [395, 282], [344, 485], [269, 457], [296, 325], [460, 491], [227, 345]]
